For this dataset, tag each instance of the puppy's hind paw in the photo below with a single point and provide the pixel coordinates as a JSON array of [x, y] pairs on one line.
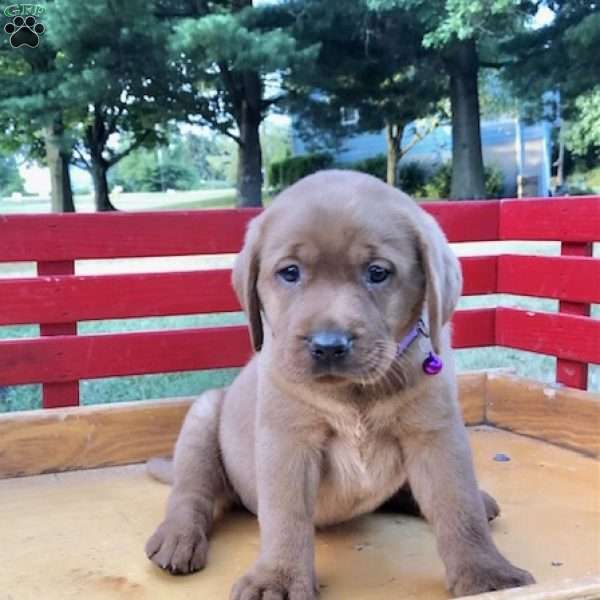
[[179, 548]]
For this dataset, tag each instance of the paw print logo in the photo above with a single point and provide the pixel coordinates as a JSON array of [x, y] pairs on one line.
[[24, 32]]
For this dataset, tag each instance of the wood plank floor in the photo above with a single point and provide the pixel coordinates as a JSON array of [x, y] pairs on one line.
[[81, 534]]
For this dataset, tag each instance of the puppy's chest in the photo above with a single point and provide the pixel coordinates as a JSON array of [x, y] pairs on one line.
[[362, 467]]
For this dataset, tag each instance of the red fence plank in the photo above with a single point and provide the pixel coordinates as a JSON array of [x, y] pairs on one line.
[[81, 298], [567, 336], [474, 328], [116, 235], [69, 358], [480, 274], [476, 220], [562, 219], [120, 235], [576, 279], [568, 372], [55, 395]]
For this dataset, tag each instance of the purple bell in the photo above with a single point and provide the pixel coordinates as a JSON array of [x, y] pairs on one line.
[[433, 364]]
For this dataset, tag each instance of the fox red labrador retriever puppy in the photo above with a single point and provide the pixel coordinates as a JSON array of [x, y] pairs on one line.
[[350, 397]]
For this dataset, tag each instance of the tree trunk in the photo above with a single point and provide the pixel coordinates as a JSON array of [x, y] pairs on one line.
[[96, 136], [468, 179], [58, 157], [101, 197], [249, 172], [248, 101], [394, 140]]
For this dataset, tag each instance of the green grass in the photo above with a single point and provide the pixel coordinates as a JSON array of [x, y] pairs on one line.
[[224, 201]]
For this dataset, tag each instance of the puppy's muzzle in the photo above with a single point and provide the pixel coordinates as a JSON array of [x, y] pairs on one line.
[[329, 347]]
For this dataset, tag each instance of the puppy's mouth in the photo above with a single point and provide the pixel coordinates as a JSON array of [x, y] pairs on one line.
[[352, 372]]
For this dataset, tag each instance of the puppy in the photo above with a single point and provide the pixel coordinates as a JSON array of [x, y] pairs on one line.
[[348, 287]]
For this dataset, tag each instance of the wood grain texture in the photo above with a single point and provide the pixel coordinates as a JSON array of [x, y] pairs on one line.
[[80, 535], [48, 441], [562, 416], [471, 392], [585, 588], [44, 441]]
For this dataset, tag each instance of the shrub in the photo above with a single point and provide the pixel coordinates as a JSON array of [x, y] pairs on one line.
[[494, 182], [439, 184], [289, 170], [376, 166], [411, 178]]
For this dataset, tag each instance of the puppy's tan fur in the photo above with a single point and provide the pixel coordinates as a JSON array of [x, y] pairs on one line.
[[300, 446]]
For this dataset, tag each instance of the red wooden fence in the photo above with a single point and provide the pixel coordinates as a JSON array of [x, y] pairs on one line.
[[57, 299]]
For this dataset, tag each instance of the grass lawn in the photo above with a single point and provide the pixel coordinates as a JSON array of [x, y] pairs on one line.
[[119, 389]]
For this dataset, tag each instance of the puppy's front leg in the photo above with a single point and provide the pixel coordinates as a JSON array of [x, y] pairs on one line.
[[287, 484], [442, 478]]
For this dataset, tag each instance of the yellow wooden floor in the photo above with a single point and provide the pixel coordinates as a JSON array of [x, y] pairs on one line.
[[81, 534]]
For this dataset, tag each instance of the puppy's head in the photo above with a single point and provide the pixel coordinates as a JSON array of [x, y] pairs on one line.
[[336, 272]]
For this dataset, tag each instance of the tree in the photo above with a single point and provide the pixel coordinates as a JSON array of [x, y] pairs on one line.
[[10, 178], [557, 57], [32, 117], [226, 58], [115, 80], [463, 33], [583, 132], [369, 63]]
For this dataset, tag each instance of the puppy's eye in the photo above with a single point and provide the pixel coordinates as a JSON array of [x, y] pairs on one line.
[[377, 274], [290, 274]]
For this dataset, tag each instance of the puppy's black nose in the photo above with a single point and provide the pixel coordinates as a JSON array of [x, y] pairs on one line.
[[329, 346]]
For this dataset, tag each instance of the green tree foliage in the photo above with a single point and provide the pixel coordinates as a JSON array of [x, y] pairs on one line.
[[185, 163], [583, 130], [466, 35], [32, 113], [229, 58], [290, 170], [114, 80], [368, 62]]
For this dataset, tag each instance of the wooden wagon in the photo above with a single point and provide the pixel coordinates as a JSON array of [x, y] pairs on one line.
[[77, 506]]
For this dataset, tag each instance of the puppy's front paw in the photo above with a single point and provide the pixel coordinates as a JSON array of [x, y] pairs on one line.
[[266, 583], [487, 575], [179, 548]]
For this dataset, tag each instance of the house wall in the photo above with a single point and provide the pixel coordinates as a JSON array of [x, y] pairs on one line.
[[499, 144]]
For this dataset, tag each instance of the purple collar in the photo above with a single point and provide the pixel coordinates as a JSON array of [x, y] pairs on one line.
[[432, 364]]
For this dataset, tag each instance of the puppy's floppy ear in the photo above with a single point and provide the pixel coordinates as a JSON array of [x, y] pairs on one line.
[[443, 277], [245, 279]]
